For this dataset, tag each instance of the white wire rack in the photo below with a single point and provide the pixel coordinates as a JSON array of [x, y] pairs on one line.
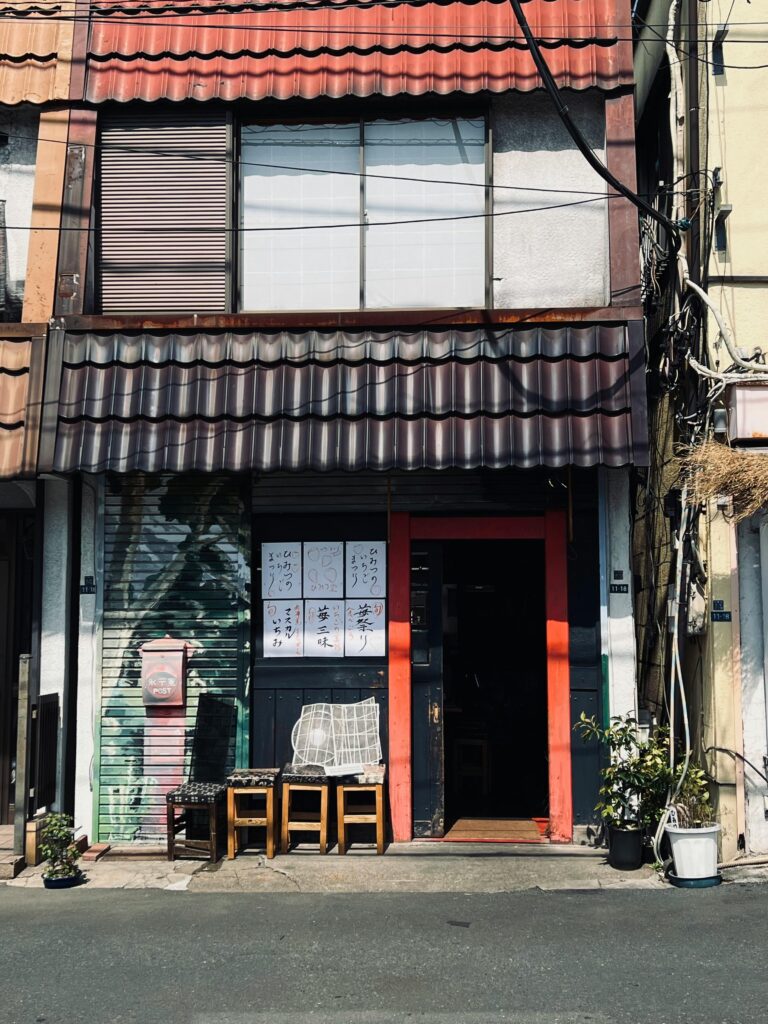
[[340, 737]]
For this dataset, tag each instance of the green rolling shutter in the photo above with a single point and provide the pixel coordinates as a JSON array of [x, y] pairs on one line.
[[176, 562]]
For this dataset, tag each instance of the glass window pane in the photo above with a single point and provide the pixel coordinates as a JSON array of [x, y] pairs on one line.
[[293, 176], [425, 264]]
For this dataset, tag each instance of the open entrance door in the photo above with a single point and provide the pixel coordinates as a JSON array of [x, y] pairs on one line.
[[479, 670]]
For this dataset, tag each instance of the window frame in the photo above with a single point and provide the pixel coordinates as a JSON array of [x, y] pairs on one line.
[[374, 113]]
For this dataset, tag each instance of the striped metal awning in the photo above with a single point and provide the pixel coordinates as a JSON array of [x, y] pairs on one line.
[[214, 49], [353, 400]]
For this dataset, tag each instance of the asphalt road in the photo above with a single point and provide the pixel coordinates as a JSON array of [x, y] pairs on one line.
[[533, 957]]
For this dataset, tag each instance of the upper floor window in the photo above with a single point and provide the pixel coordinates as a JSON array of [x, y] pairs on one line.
[[378, 214]]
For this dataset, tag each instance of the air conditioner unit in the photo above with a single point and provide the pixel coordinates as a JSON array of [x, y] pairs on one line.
[[748, 415]]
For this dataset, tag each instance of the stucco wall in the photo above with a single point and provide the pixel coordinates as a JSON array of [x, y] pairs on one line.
[[738, 113], [556, 257], [17, 176]]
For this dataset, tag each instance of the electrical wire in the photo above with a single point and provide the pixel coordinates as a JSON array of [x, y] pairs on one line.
[[583, 146]]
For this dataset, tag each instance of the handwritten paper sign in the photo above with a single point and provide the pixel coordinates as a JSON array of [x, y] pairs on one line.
[[323, 629], [283, 629], [324, 569], [365, 633], [280, 570], [366, 568]]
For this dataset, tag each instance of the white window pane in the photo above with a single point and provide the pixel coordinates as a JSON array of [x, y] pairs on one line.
[[425, 264], [299, 176]]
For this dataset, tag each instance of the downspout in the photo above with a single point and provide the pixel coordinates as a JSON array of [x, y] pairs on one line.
[[764, 595], [694, 156]]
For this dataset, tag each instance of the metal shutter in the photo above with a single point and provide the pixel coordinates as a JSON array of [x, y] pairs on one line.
[[176, 562], [166, 171]]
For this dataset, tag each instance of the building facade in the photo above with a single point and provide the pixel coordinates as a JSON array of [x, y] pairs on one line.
[[344, 388]]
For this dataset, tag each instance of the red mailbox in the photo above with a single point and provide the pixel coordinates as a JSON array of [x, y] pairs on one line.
[[164, 671]]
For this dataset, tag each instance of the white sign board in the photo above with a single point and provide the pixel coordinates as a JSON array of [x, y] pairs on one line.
[[365, 634], [366, 568], [280, 570], [323, 629], [283, 629], [324, 568]]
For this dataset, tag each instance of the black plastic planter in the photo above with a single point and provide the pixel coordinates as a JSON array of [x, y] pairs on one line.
[[625, 848], [69, 882]]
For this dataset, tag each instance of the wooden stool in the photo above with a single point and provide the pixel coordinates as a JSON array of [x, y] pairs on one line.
[[368, 814], [298, 780], [249, 782], [194, 796]]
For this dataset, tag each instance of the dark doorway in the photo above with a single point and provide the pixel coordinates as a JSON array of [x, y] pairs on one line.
[[16, 548], [494, 681]]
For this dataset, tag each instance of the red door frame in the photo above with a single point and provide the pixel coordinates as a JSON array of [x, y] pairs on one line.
[[551, 528]]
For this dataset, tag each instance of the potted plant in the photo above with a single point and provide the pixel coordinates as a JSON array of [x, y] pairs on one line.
[[59, 849], [635, 782], [692, 833]]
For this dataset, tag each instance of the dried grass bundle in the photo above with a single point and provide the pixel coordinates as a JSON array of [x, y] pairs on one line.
[[715, 469]]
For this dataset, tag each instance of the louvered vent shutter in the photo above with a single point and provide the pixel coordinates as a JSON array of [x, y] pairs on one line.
[[166, 172]]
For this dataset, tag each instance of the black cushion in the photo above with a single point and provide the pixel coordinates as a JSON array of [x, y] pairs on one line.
[[308, 774], [253, 777], [196, 793]]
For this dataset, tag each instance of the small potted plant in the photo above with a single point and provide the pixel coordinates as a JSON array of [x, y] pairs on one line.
[[692, 833], [635, 783], [59, 849]]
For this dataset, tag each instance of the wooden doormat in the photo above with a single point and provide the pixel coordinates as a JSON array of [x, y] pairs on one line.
[[498, 830]]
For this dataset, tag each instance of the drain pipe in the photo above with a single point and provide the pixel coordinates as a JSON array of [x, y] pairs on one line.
[[764, 594]]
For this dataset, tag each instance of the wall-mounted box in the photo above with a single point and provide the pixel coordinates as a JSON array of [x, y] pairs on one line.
[[748, 414], [164, 671]]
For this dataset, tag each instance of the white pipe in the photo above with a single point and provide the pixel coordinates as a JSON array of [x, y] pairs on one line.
[[728, 378], [723, 330]]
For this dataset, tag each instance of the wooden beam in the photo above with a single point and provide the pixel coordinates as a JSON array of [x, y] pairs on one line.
[[479, 528], [622, 214], [40, 284], [558, 678], [74, 238], [412, 319], [400, 701]]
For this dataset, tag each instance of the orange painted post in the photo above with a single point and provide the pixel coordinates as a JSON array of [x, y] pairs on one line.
[[558, 678], [400, 792]]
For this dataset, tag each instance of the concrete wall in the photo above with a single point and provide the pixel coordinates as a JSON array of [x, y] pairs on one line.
[[753, 684], [617, 620], [53, 635], [89, 656], [557, 257], [17, 178]]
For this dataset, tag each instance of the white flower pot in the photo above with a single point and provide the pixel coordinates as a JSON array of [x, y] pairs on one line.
[[694, 850]]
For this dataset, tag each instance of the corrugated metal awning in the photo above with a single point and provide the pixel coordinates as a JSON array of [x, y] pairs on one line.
[[218, 50], [35, 52], [22, 359], [352, 400]]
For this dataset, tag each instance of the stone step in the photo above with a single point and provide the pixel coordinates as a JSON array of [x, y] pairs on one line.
[[10, 865]]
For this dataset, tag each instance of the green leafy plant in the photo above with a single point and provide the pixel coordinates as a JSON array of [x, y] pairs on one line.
[[692, 802], [58, 847], [635, 782]]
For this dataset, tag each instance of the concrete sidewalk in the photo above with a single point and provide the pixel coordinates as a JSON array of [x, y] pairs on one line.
[[405, 867]]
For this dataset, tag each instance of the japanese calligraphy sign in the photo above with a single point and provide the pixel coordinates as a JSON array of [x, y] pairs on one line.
[[324, 569], [366, 568], [280, 570], [323, 629], [365, 633], [283, 629]]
